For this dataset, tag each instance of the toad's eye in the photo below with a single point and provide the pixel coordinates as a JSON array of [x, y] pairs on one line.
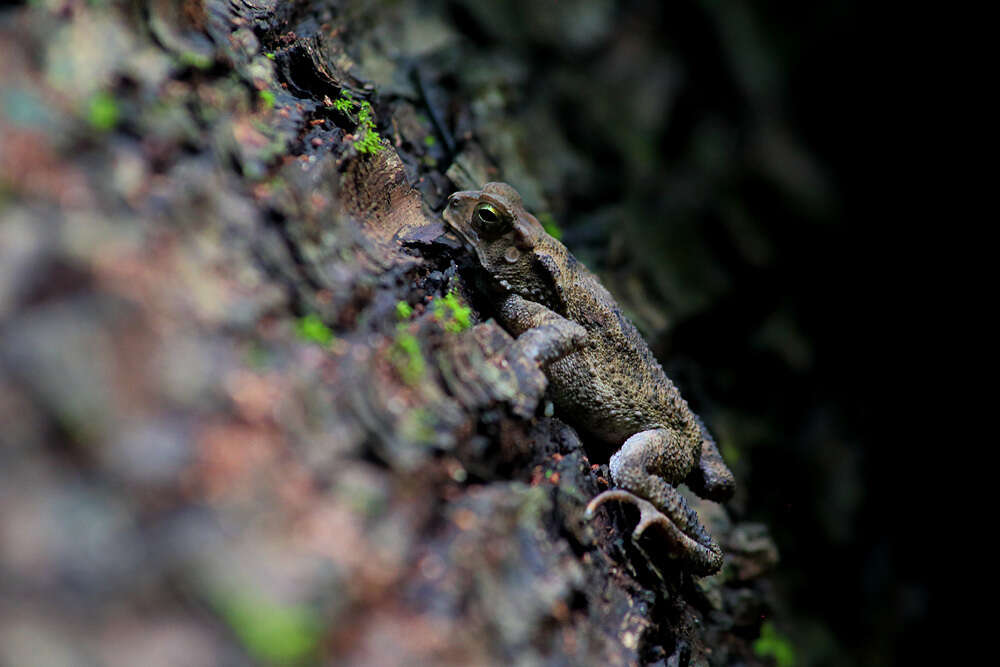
[[488, 220]]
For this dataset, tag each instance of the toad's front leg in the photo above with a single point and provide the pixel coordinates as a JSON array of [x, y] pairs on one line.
[[543, 335], [634, 468]]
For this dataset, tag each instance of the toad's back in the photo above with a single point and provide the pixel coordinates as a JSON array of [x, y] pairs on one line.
[[613, 387]]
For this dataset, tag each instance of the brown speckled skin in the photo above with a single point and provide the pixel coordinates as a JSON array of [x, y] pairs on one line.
[[610, 385]]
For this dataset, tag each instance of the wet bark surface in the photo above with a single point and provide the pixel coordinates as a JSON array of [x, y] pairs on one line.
[[254, 409]]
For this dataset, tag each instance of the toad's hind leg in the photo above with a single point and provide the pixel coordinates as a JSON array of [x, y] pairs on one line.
[[637, 467]]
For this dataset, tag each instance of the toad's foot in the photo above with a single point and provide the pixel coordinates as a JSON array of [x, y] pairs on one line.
[[648, 514], [706, 558]]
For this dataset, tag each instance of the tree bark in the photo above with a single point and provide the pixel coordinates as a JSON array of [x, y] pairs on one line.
[[243, 420]]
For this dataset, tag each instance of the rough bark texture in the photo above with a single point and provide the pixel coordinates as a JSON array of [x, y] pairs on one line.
[[242, 418]]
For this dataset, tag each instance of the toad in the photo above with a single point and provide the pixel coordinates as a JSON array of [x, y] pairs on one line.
[[602, 377]]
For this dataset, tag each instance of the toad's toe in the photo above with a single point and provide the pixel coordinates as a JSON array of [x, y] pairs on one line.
[[648, 514], [707, 559]]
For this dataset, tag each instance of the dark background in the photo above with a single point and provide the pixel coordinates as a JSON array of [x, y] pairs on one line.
[[736, 167]]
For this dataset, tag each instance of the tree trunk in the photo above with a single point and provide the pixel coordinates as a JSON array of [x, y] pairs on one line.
[[252, 407]]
